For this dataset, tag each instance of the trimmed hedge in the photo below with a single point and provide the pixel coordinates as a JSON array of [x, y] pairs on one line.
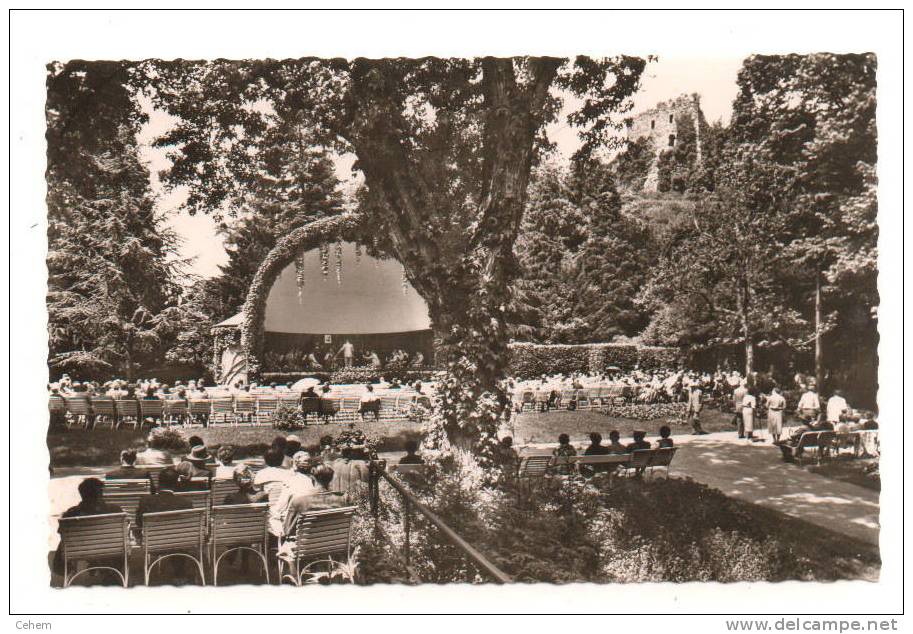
[[528, 360]]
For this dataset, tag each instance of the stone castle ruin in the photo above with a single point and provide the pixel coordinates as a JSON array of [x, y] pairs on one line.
[[663, 126]]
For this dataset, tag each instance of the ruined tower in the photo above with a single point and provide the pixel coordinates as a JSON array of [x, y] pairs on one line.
[[661, 125]]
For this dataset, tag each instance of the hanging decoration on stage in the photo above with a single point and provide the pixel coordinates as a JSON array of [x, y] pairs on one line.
[[339, 263], [299, 275], [325, 260]]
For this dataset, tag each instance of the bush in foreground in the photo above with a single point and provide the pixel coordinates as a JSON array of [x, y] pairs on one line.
[[568, 530]]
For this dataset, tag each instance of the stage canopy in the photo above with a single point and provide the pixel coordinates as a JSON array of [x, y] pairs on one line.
[[344, 291]]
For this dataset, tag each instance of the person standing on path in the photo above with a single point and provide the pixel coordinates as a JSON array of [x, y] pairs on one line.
[[738, 395], [694, 408], [809, 404], [749, 405], [775, 406]]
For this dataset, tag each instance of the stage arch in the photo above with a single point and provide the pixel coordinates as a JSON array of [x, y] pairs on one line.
[[290, 304]]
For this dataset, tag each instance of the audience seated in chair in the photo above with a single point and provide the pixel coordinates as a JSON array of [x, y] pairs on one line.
[[664, 441], [369, 403], [615, 446], [193, 466], [246, 493], [225, 457], [163, 499], [563, 451], [411, 456], [292, 446], [320, 499], [92, 502], [639, 442], [127, 469]]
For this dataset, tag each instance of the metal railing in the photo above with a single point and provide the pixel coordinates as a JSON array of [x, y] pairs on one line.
[[378, 472]]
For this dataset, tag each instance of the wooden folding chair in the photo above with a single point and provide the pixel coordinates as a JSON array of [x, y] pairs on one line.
[[174, 412], [318, 537], [239, 527], [151, 410], [220, 490], [266, 408], [328, 408], [103, 408], [126, 494], [583, 399], [95, 538], [535, 466], [127, 411], [173, 534], [199, 499], [245, 409], [79, 410], [640, 461], [223, 411], [199, 410]]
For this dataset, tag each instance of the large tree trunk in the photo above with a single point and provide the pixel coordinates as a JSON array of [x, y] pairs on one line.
[[747, 335], [819, 346], [467, 295]]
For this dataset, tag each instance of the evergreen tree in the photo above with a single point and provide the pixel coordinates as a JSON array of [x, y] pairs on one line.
[[297, 185], [612, 263], [110, 258]]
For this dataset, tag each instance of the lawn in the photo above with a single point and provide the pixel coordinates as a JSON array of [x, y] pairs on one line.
[[98, 447], [535, 427]]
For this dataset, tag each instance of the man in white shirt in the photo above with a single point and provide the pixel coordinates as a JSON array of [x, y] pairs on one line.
[[809, 405], [836, 408], [272, 480]]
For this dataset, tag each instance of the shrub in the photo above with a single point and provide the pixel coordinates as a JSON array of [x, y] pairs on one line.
[[529, 360], [288, 418], [167, 439]]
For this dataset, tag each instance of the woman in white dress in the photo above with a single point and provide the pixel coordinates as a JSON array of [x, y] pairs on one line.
[[775, 406], [749, 404]]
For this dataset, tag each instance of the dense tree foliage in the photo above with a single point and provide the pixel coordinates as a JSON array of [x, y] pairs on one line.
[[581, 259], [111, 271], [445, 146]]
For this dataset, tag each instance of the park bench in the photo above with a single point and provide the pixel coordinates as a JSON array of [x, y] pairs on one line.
[[808, 441]]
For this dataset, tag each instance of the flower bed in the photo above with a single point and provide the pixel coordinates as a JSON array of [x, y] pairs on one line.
[[642, 411]]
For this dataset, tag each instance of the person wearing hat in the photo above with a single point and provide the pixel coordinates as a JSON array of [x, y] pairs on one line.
[[639, 442], [194, 466]]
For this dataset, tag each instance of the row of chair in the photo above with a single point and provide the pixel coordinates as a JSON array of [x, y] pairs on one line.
[[230, 410], [634, 463], [101, 541], [586, 398]]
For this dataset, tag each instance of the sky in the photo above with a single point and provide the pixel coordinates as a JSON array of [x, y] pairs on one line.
[[714, 79]]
